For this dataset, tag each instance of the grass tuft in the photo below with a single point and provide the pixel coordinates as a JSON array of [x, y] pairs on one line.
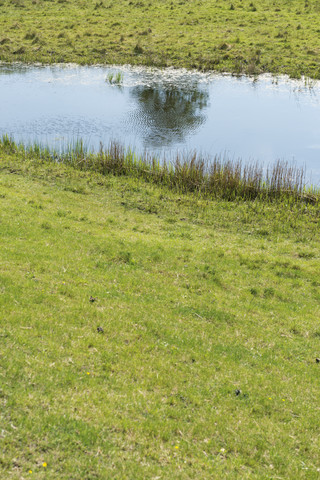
[[115, 79]]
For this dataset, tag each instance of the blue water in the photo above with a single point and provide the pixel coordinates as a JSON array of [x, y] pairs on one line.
[[164, 111]]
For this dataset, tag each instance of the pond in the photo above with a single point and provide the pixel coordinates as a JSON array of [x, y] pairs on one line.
[[164, 111]]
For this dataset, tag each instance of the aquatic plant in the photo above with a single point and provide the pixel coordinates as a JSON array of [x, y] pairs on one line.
[[109, 78], [115, 79], [216, 177]]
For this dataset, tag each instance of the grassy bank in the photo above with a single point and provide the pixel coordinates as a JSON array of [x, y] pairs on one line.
[[206, 363], [235, 36], [190, 173]]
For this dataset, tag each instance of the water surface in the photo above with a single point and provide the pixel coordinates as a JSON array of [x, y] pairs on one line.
[[164, 111]]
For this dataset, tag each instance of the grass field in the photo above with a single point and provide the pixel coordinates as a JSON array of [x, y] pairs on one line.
[[206, 365], [156, 329], [235, 36]]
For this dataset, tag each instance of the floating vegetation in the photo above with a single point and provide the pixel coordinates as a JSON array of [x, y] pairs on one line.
[[216, 178]]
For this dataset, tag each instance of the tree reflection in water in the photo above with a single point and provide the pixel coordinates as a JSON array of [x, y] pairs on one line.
[[167, 114]]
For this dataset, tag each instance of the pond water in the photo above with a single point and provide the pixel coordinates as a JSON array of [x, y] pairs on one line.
[[164, 111]]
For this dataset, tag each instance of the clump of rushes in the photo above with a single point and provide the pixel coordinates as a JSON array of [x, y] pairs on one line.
[[214, 178], [115, 79]]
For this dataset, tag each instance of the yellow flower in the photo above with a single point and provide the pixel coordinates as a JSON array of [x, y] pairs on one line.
[[44, 464], [30, 471], [176, 446], [88, 373]]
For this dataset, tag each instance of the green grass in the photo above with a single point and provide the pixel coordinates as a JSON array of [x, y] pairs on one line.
[[235, 36], [197, 298], [115, 79]]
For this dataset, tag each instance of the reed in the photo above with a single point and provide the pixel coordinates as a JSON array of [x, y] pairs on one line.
[[190, 173], [115, 79]]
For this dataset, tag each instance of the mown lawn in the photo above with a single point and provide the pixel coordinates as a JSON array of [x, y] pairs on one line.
[[235, 36], [206, 365]]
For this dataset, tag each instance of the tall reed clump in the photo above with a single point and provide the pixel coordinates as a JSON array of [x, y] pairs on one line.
[[217, 177]]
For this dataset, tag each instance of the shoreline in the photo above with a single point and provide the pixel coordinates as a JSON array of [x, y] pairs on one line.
[[220, 178], [305, 80]]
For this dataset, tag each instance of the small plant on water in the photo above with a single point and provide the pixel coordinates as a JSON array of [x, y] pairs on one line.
[[115, 79]]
